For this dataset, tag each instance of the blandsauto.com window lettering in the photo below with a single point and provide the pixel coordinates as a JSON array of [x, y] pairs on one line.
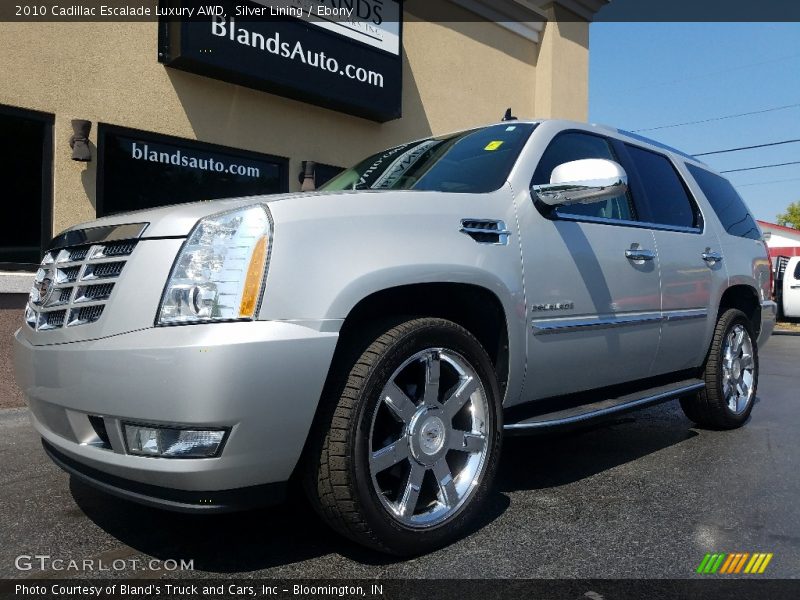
[[275, 44], [182, 159]]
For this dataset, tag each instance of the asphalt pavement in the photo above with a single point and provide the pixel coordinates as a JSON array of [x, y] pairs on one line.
[[645, 496]]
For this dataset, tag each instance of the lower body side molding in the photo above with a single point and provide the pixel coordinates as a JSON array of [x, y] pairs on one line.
[[585, 413]]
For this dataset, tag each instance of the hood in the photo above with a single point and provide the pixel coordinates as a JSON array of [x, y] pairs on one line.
[[178, 220]]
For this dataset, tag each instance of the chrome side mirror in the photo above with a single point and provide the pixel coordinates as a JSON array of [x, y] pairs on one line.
[[582, 182]]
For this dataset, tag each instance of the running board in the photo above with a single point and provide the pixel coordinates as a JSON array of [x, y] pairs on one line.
[[578, 415]]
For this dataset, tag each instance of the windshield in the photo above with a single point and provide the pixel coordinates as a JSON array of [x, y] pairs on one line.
[[476, 161]]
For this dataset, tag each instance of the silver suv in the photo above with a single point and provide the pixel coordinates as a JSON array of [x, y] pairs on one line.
[[376, 340]]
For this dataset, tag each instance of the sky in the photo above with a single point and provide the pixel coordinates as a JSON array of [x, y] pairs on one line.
[[647, 75]]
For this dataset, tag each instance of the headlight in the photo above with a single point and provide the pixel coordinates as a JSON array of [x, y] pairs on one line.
[[219, 272]]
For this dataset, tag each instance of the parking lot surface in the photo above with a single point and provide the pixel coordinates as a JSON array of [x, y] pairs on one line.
[[645, 496]]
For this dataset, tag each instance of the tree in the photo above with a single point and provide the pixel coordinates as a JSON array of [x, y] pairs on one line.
[[791, 218]]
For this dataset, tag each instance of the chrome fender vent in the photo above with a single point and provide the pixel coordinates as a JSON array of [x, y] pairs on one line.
[[486, 231]]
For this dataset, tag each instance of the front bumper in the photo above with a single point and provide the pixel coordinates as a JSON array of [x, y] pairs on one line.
[[262, 380], [769, 316], [217, 501]]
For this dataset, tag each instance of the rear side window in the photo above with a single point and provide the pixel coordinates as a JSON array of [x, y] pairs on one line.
[[727, 203], [570, 146], [797, 270], [667, 197]]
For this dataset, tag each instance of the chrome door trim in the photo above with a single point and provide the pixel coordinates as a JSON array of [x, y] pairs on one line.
[[549, 327], [685, 315], [557, 216]]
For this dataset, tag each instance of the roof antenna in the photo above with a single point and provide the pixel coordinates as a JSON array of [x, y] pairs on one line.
[[508, 116]]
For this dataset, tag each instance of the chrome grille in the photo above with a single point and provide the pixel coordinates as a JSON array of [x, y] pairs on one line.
[[55, 319], [103, 270], [78, 254], [121, 249], [90, 293], [67, 275], [73, 285], [87, 314]]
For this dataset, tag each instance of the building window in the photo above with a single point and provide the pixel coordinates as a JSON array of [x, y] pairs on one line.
[[139, 170], [322, 173], [26, 170]]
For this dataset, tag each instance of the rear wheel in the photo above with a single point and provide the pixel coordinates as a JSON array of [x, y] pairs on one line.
[[731, 375], [408, 446]]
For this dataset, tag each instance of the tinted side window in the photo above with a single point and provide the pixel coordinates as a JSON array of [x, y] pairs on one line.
[[728, 205], [797, 271], [567, 147], [667, 197]]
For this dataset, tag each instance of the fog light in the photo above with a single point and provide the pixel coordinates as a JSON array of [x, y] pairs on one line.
[[145, 440]]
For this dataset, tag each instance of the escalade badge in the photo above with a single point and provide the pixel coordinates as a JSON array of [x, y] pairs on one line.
[[553, 306]]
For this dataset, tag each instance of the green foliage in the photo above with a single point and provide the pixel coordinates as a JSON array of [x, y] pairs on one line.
[[791, 218]]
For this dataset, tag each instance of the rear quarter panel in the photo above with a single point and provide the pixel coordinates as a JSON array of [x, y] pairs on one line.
[[746, 259]]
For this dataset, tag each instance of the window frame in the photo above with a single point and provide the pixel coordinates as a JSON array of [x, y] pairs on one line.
[[552, 214], [46, 229], [104, 129], [637, 187]]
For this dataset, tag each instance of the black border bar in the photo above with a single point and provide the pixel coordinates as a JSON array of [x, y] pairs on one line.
[[406, 589], [444, 11]]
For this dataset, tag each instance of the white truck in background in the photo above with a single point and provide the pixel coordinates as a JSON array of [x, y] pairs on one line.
[[787, 286]]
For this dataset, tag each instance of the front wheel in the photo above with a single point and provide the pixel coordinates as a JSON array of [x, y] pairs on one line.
[[409, 442], [731, 375]]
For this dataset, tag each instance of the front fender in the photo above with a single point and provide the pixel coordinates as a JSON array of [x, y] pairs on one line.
[[330, 253]]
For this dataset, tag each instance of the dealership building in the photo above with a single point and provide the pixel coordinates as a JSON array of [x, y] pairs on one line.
[[781, 240], [179, 111], [99, 117]]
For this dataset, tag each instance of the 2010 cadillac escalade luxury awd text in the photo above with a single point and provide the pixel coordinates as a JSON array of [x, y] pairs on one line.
[[376, 340]]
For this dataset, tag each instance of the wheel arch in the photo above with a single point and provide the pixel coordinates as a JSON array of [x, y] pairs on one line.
[[476, 308], [745, 298]]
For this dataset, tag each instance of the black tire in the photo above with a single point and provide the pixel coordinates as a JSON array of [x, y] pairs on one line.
[[709, 408], [337, 473]]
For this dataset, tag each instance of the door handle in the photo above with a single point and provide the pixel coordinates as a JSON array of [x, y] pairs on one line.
[[639, 254], [712, 257]]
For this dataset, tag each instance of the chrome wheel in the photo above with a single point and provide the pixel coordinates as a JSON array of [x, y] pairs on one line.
[[738, 369], [428, 438]]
